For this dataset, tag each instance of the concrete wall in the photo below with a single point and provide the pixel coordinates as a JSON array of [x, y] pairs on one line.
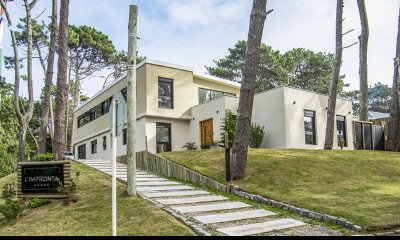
[[296, 101], [179, 133], [269, 112], [211, 110], [183, 98], [101, 124]]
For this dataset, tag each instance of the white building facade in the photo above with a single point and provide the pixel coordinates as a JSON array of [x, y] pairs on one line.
[[176, 106]]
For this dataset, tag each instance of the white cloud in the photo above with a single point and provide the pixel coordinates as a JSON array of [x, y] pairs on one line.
[[194, 32]]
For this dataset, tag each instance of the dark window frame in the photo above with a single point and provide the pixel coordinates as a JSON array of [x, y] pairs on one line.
[[312, 115], [125, 93], [124, 136], [82, 150], [104, 143], [169, 127], [93, 145], [94, 113], [345, 129], [210, 94], [168, 81]]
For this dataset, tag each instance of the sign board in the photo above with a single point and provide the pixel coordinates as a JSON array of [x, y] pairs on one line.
[[40, 179], [120, 112]]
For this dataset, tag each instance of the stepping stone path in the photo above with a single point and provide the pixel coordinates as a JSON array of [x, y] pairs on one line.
[[201, 206]]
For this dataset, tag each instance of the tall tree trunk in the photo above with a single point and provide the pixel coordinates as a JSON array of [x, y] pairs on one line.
[[363, 60], [77, 94], [393, 136], [329, 134], [131, 145], [62, 88], [69, 142], [242, 135], [77, 90], [23, 118], [22, 141], [48, 82]]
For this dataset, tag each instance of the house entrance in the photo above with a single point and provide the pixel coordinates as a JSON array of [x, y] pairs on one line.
[[82, 152], [206, 131]]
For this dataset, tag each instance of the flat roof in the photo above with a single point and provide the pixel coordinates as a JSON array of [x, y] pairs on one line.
[[162, 64]]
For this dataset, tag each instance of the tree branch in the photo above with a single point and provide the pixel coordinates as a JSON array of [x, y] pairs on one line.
[[40, 14], [347, 32], [32, 4], [350, 45]]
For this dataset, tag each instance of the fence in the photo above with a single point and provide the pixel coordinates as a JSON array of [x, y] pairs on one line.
[[160, 166]]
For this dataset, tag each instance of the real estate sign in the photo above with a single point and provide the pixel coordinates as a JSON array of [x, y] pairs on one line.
[[41, 179]]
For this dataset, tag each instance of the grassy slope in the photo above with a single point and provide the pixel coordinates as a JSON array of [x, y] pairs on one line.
[[362, 186], [92, 214]]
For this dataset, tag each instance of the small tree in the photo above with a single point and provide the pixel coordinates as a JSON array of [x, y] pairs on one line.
[[257, 134], [228, 125]]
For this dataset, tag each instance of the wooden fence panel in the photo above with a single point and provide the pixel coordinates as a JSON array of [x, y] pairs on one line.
[[160, 166]]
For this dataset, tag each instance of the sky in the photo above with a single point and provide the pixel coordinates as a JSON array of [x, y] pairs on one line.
[[193, 33]]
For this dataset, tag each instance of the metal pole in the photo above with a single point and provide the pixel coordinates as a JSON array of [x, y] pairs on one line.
[[114, 169], [227, 163], [131, 94]]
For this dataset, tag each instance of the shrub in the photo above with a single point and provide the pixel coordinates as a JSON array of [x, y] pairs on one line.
[[70, 190], [36, 202], [48, 157], [190, 146], [256, 135], [228, 125], [9, 191], [12, 207], [206, 145]]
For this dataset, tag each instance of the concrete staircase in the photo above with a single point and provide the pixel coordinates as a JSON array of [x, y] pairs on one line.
[[214, 212]]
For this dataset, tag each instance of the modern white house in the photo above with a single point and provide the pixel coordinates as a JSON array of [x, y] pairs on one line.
[[176, 105]]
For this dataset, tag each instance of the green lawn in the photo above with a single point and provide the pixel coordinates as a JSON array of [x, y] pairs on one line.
[[92, 214], [361, 186]]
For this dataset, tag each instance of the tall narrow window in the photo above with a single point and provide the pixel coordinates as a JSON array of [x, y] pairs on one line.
[[163, 137], [94, 146], [165, 93], [124, 136], [309, 127], [104, 143], [341, 130]]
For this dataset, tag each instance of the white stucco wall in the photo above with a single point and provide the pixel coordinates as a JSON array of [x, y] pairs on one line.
[[211, 110], [179, 133], [268, 112], [294, 118]]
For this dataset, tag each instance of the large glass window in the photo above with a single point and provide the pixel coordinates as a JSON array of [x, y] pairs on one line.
[[81, 121], [206, 95], [309, 127], [94, 113], [165, 93], [341, 130], [163, 137]]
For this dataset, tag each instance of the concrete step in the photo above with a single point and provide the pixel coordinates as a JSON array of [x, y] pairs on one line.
[[211, 207], [258, 228], [163, 183], [175, 194], [234, 216], [191, 200], [158, 189]]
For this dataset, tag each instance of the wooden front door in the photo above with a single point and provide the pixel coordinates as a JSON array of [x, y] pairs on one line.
[[206, 131]]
